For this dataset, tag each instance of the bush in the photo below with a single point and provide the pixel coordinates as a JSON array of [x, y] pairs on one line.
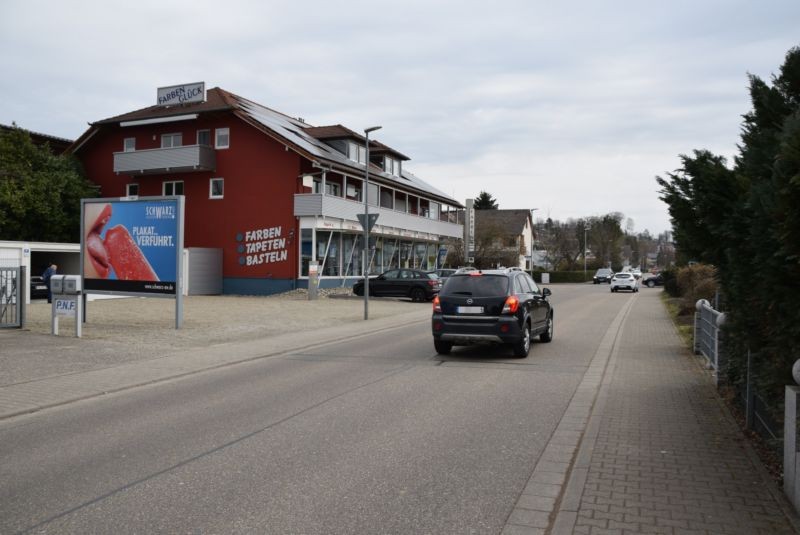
[[696, 282], [671, 283]]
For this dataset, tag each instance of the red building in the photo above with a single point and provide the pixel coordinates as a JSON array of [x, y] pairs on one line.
[[271, 191]]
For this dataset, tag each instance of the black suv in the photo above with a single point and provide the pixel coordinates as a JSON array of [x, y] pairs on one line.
[[499, 306], [413, 283]]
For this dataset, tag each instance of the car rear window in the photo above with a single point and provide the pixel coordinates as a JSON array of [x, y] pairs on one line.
[[623, 275], [476, 285]]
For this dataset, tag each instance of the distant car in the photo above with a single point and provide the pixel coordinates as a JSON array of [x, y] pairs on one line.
[[38, 288], [443, 273], [655, 280], [602, 275], [412, 283], [624, 281], [636, 272], [502, 306]]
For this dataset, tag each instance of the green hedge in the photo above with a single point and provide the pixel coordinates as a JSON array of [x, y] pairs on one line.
[[564, 276]]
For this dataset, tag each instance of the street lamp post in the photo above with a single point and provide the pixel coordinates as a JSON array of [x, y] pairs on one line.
[[532, 239], [366, 223], [585, 230]]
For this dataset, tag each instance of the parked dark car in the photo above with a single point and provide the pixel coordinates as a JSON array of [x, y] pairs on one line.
[[503, 306], [443, 273], [655, 280], [413, 283], [603, 275], [38, 288]]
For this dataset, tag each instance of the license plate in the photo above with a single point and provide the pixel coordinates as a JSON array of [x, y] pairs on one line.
[[41, 287], [470, 310]]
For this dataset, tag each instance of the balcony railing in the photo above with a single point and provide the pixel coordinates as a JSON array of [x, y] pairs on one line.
[[317, 204], [184, 159]]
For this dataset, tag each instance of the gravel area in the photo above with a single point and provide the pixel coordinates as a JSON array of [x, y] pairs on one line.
[[130, 329]]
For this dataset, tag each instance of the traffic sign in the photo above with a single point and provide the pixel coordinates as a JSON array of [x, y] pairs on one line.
[[372, 219]]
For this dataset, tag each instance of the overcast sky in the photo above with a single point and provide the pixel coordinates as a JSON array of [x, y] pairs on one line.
[[569, 107]]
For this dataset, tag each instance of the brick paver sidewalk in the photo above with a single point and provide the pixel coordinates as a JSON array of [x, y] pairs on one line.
[[666, 457]]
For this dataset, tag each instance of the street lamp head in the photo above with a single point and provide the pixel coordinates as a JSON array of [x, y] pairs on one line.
[[372, 129]]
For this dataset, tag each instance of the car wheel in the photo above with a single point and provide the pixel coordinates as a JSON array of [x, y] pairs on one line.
[[443, 348], [523, 346], [358, 290], [417, 295], [651, 284], [547, 335]]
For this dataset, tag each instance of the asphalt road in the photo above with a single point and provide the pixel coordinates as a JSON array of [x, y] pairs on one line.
[[375, 435]]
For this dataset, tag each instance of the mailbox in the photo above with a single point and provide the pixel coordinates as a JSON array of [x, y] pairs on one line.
[[57, 284], [65, 284]]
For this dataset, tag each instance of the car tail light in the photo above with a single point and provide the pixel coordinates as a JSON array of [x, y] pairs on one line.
[[511, 305], [437, 307]]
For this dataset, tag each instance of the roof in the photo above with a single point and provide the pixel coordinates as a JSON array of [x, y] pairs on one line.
[[305, 139], [511, 220]]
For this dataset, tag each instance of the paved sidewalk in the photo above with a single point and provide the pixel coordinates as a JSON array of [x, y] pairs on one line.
[[661, 454]]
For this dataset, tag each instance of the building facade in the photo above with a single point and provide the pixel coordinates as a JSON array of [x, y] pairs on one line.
[[271, 191]]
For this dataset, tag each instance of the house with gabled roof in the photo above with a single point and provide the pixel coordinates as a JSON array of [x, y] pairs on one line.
[[274, 193], [504, 237]]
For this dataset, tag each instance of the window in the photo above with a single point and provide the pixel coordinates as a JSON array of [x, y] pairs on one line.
[[373, 194], [204, 137], [216, 188], [332, 188], [129, 145], [354, 190], [171, 140], [391, 166], [356, 152], [132, 190], [387, 198], [400, 201], [222, 138], [173, 187]]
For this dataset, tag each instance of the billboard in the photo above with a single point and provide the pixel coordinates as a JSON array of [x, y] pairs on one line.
[[132, 246]]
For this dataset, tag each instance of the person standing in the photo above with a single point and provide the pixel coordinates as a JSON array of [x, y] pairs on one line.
[[46, 276]]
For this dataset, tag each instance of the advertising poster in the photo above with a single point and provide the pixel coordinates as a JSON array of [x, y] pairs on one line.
[[131, 246]]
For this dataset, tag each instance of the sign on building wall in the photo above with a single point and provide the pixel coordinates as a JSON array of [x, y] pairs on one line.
[[268, 245], [132, 246], [181, 94]]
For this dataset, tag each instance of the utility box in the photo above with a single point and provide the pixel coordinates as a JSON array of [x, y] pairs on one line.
[[66, 284]]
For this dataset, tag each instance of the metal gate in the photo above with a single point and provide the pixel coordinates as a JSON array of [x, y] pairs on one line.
[[12, 297]]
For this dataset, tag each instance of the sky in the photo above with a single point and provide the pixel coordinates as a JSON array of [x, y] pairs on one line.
[[571, 108]]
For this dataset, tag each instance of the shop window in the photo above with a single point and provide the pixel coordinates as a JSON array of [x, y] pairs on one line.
[[171, 140], [129, 144], [216, 188], [172, 187], [222, 138], [204, 137], [306, 248], [132, 190]]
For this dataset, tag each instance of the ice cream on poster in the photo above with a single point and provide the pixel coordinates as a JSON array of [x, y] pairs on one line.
[[130, 241]]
